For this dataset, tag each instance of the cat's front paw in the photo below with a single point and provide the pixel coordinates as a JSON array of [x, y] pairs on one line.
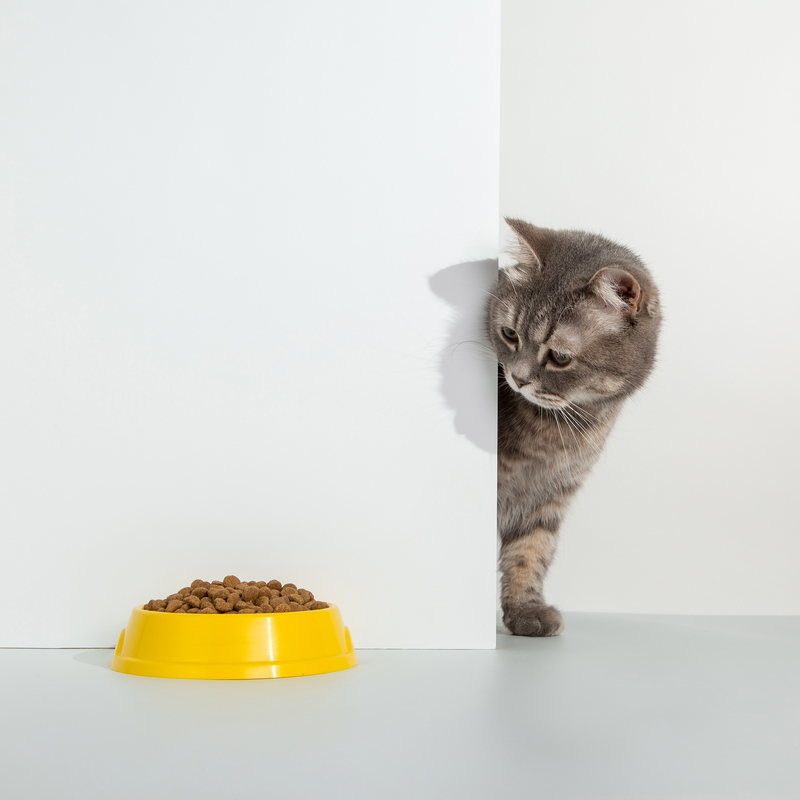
[[533, 619]]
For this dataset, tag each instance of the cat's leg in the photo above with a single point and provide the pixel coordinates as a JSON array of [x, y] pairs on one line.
[[525, 556]]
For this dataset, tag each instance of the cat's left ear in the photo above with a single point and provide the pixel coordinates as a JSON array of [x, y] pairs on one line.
[[533, 243], [618, 289]]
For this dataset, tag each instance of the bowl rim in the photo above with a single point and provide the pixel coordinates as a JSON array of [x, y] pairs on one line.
[[228, 614]]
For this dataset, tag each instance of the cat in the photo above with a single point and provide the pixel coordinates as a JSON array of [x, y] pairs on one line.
[[574, 326]]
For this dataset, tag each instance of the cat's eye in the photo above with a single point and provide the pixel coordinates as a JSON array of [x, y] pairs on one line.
[[510, 334], [561, 359]]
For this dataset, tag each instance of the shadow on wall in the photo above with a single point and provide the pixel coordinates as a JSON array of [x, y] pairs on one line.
[[467, 365]]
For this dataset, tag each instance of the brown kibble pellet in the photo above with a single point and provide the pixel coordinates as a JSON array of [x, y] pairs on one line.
[[296, 607], [217, 591], [275, 585], [261, 584], [317, 605], [216, 583], [208, 610], [240, 604], [247, 611], [193, 601], [230, 581], [250, 593], [295, 598], [222, 606], [200, 591], [196, 583], [180, 610], [193, 611], [306, 595], [262, 601], [183, 592], [173, 597], [173, 605], [206, 602], [241, 586], [280, 609], [290, 586]]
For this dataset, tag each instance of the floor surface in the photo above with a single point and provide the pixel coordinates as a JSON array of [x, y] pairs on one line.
[[619, 706]]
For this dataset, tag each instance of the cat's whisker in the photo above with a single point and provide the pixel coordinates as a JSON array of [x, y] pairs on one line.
[[585, 434], [590, 424], [581, 410], [585, 431], [566, 453], [499, 300], [586, 438], [563, 444], [572, 429], [573, 423], [480, 350], [583, 421]]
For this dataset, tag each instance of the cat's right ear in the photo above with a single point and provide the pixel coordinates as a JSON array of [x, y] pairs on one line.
[[533, 243]]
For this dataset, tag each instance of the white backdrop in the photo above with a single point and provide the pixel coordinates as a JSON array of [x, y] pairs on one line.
[[674, 127], [223, 335]]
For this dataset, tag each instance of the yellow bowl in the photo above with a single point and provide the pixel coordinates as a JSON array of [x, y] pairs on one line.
[[233, 646]]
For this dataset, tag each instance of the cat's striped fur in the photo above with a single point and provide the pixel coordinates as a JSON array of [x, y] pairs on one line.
[[577, 298]]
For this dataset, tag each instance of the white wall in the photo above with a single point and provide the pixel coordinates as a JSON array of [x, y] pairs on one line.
[[222, 330], [674, 127]]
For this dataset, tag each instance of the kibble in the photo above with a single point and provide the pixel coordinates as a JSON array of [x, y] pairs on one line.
[[250, 593], [232, 596]]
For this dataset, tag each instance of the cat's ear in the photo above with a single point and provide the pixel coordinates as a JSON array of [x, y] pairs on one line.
[[533, 243], [618, 290]]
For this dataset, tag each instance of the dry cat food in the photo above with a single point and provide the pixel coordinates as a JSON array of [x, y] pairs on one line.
[[232, 596]]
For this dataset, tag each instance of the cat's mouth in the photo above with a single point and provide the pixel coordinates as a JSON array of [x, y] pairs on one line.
[[543, 399], [536, 396]]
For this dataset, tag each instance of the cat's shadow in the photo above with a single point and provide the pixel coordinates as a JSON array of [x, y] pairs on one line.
[[467, 366]]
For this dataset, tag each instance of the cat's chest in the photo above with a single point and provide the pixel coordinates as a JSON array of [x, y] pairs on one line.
[[537, 458], [543, 456]]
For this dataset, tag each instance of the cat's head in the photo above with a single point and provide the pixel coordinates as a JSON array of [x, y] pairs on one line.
[[575, 320]]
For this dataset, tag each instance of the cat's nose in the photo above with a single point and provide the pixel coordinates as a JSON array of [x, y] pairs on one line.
[[519, 381]]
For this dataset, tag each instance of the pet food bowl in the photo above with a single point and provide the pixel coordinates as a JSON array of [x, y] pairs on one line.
[[234, 646]]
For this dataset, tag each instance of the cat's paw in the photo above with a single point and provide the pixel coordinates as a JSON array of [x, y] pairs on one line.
[[533, 619]]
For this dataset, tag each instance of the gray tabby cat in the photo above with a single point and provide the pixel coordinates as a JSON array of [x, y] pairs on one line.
[[574, 326]]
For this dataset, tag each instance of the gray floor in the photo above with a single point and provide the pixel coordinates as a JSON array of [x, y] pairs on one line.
[[620, 706]]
